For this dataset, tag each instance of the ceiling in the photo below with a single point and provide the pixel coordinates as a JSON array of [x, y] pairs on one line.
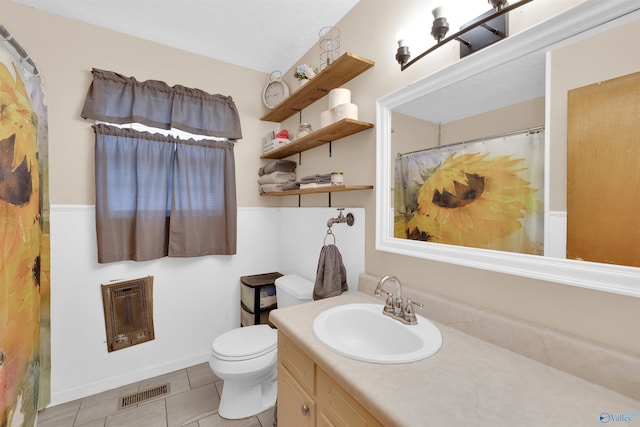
[[262, 35], [510, 83]]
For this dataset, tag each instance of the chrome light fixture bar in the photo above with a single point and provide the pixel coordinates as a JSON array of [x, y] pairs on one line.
[[440, 28]]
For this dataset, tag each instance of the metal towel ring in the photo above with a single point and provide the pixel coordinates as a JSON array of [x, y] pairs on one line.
[[329, 233]]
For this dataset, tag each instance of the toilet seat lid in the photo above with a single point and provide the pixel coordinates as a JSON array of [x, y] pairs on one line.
[[246, 343]]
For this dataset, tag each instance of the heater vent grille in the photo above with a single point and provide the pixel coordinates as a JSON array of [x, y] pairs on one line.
[[142, 396], [128, 312]]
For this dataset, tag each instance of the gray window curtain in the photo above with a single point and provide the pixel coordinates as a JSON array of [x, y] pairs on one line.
[[162, 196], [115, 98]]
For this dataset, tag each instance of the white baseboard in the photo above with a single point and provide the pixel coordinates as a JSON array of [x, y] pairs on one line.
[[89, 389]]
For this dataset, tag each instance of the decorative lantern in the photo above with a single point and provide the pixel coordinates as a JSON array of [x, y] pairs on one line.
[[329, 46]]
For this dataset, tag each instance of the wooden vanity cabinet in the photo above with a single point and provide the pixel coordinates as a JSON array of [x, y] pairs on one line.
[[308, 397], [296, 386], [336, 407], [295, 406]]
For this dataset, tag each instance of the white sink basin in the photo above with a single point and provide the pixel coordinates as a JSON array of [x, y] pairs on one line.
[[362, 332]]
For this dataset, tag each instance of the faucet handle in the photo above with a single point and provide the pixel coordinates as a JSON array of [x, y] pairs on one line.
[[408, 315], [410, 303], [388, 305]]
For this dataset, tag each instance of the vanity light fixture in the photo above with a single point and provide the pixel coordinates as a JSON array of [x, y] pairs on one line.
[[498, 4], [440, 26], [402, 55], [484, 30]]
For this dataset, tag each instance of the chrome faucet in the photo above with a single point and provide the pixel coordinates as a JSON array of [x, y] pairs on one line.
[[394, 307]]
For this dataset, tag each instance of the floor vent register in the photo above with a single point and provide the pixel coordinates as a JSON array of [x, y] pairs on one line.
[[142, 396]]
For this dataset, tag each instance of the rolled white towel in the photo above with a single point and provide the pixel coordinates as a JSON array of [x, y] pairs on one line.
[[339, 96], [346, 111], [326, 118]]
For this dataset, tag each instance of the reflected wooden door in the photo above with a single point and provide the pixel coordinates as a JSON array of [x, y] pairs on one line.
[[603, 172]]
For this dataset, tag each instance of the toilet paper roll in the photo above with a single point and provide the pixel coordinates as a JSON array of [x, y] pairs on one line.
[[326, 118], [339, 96], [346, 111]]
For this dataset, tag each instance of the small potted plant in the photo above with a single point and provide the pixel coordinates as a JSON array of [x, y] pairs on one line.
[[304, 72]]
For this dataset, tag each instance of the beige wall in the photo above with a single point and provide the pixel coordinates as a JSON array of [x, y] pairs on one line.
[[583, 63], [370, 30], [65, 52], [524, 115]]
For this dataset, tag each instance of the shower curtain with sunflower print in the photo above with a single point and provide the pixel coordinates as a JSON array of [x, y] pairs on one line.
[[484, 194], [24, 241]]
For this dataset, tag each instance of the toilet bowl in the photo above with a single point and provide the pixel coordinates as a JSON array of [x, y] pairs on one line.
[[246, 358]]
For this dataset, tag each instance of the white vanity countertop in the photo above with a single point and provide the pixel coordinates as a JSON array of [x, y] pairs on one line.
[[467, 382]]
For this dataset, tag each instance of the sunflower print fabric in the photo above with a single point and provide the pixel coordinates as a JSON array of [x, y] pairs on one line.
[[473, 199], [19, 252]]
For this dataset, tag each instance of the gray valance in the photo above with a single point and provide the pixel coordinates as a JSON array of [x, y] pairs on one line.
[[115, 98]]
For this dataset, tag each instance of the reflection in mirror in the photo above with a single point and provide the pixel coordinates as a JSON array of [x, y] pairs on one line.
[[483, 193], [488, 103]]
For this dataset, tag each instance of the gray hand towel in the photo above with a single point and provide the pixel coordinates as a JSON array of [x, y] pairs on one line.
[[331, 277], [278, 166], [277, 178]]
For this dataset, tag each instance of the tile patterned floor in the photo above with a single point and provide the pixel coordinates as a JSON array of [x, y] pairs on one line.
[[192, 402]]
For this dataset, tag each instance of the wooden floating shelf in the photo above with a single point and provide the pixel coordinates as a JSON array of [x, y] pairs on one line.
[[329, 133], [343, 69], [328, 189]]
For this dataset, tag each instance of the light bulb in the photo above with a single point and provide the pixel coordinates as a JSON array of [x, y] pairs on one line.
[[439, 12], [440, 25], [402, 54], [402, 36]]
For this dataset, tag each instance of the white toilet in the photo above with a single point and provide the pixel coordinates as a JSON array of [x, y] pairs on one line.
[[247, 358]]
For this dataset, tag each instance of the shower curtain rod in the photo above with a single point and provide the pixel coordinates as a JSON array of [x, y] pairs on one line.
[[533, 130], [6, 35]]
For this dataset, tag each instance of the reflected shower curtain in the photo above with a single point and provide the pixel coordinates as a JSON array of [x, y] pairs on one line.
[[24, 239], [482, 194]]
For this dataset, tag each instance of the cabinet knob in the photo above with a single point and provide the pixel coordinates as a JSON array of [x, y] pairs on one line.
[[304, 409]]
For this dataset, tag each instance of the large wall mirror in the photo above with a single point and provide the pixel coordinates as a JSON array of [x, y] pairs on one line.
[[518, 86]]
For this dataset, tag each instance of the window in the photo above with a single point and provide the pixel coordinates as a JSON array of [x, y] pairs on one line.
[[158, 194]]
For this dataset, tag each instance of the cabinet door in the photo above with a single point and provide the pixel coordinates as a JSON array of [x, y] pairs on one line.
[[295, 407], [297, 362], [323, 421], [337, 408]]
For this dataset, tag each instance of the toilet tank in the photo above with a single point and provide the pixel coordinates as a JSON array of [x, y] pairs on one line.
[[292, 289]]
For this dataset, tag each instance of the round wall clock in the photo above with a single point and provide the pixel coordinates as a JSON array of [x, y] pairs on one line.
[[275, 91]]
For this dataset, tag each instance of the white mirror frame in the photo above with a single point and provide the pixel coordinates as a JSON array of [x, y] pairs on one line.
[[591, 16]]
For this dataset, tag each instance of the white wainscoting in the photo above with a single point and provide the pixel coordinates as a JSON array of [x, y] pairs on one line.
[[303, 232], [195, 299], [556, 239]]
